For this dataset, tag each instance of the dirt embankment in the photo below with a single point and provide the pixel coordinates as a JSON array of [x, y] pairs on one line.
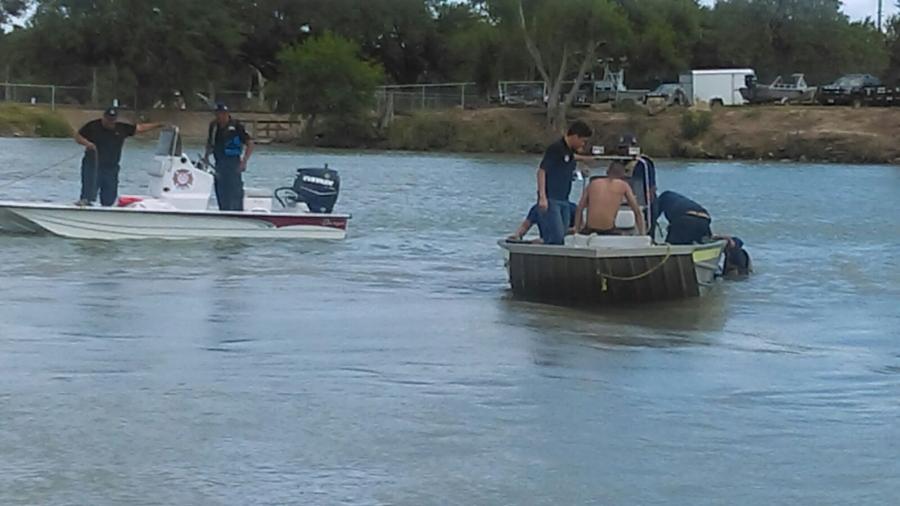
[[833, 134], [802, 133]]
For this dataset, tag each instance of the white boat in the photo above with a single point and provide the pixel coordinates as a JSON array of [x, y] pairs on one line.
[[177, 207]]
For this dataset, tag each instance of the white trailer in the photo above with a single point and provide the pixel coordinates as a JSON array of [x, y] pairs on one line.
[[716, 86]]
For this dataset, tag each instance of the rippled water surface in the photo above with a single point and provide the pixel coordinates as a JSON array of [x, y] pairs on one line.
[[395, 367]]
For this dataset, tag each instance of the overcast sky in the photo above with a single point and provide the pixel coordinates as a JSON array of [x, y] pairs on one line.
[[856, 9]]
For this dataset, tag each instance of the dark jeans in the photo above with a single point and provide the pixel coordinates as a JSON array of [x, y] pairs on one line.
[[554, 222], [102, 179], [688, 229], [651, 211], [229, 185]]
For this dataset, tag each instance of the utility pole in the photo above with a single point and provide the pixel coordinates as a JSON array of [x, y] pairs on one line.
[[880, 10]]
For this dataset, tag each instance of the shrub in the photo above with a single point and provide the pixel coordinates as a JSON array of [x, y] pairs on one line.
[[695, 123]]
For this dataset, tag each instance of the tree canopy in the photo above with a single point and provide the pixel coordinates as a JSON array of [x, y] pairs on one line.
[[147, 49]]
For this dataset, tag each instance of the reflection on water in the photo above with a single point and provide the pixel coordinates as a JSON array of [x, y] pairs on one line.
[[396, 368]]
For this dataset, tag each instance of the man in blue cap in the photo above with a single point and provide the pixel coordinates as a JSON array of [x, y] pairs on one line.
[[232, 146], [103, 140]]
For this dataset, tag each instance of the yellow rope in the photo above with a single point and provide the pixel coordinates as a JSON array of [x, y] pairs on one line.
[[642, 275]]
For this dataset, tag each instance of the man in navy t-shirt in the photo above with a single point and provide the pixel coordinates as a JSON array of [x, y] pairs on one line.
[[554, 181]]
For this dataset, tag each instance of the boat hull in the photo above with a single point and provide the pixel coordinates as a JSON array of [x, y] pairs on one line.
[[125, 223], [607, 276]]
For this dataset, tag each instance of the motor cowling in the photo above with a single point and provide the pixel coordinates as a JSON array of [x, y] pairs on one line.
[[318, 188]]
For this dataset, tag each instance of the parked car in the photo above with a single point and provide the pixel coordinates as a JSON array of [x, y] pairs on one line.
[[848, 90], [668, 93]]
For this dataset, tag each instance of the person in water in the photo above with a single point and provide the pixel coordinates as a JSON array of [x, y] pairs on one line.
[[689, 222], [602, 199], [737, 260], [231, 145], [103, 140], [554, 181], [533, 218]]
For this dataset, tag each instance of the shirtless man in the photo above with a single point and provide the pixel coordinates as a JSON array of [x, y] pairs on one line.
[[602, 199]]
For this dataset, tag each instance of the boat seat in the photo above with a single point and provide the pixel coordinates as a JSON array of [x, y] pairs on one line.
[[609, 241], [257, 193], [625, 219]]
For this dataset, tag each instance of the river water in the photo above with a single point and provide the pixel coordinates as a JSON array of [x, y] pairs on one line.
[[395, 367]]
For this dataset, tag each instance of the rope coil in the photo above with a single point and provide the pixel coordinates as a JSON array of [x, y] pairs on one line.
[[604, 277]]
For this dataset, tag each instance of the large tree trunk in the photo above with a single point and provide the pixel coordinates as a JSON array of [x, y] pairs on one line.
[[261, 81], [590, 50], [556, 110]]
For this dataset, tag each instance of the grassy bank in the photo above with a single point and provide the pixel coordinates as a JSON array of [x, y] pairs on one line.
[[29, 121], [831, 134]]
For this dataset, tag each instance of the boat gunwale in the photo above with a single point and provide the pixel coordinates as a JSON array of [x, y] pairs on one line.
[[609, 252]]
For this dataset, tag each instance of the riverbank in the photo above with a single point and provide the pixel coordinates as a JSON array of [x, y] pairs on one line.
[[802, 133], [27, 121], [828, 134]]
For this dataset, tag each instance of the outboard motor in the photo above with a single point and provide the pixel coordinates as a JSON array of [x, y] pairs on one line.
[[317, 188]]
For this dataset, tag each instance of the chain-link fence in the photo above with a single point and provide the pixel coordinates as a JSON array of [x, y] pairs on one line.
[[414, 97], [45, 94]]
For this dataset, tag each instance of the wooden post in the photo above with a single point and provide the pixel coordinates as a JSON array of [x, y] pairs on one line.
[[423, 97], [6, 89], [52, 97], [94, 95], [462, 96]]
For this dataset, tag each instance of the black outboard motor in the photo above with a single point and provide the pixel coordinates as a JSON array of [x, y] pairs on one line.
[[317, 188]]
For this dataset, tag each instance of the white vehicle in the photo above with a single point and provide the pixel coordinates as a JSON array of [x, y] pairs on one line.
[[176, 206], [716, 87]]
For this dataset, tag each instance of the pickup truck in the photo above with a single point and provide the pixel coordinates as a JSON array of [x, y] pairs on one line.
[[852, 89]]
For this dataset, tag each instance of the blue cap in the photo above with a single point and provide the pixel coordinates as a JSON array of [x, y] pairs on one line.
[[111, 112], [221, 107]]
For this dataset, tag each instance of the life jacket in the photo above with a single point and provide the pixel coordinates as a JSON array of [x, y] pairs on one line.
[[233, 145]]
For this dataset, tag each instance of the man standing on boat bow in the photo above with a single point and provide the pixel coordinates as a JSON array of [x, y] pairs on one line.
[[554, 181], [103, 140], [231, 146]]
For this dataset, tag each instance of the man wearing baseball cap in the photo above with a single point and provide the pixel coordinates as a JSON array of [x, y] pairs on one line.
[[231, 145], [103, 140]]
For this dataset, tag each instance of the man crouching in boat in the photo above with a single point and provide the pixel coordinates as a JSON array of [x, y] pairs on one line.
[[533, 218], [688, 221], [602, 199]]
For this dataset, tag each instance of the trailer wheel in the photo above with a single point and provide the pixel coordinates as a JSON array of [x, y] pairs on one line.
[[716, 103], [856, 103]]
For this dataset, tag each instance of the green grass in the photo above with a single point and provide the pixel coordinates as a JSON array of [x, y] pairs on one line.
[[32, 121]]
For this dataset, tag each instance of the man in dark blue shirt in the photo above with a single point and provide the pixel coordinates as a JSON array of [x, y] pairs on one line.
[[554, 181], [688, 221]]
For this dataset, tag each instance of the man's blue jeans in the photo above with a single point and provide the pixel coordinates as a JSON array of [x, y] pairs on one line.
[[554, 221]]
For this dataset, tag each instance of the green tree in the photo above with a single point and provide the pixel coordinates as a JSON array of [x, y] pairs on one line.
[[10, 9], [563, 38], [325, 76], [665, 33], [780, 37], [143, 48]]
